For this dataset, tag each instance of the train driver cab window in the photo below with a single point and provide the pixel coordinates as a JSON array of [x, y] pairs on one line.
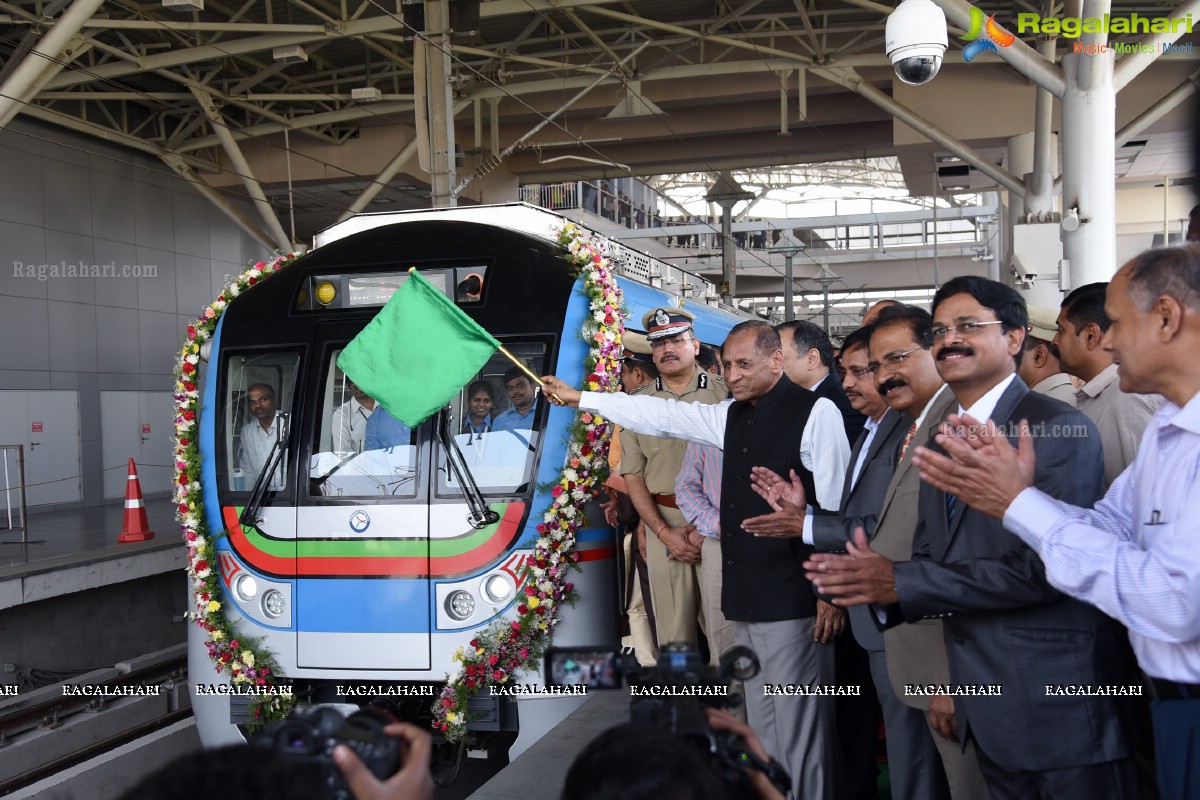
[[362, 450], [257, 416], [496, 422]]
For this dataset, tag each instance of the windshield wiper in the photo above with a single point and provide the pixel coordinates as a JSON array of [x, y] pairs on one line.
[[481, 515], [249, 514]]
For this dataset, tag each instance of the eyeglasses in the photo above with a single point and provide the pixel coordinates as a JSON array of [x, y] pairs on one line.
[[895, 359], [658, 344], [963, 329], [861, 372]]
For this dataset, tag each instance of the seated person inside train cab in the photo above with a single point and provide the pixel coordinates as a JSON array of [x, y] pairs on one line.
[[350, 420], [258, 435], [522, 393], [481, 398], [385, 431]]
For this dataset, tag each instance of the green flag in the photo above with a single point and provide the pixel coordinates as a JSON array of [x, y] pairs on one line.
[[394, 361]]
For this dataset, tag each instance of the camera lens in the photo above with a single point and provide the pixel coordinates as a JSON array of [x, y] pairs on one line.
[[916, 70]]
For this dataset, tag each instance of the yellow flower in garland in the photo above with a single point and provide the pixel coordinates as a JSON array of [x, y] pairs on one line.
[[217, 635], [533, 602], [213, 607]]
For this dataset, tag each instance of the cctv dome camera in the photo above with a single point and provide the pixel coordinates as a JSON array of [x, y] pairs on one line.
[[916, 40]]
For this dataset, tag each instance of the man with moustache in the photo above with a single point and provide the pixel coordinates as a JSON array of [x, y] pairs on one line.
[[770, 421], [909, 383], [872, 464], [1004, 624], [259, 435], [650, 465], [1134, 555]]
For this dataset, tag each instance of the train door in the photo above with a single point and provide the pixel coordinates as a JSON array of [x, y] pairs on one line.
[[362, 559]]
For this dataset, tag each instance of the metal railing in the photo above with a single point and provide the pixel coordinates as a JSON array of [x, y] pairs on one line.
[[12, 473]]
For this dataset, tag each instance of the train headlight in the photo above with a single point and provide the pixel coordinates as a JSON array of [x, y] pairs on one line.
[[273, 604], [460, 605], [497, 589], [325, 293], [245, 587]]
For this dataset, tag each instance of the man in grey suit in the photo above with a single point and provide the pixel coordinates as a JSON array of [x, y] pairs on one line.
[[908, 380], [872, 463], [1011, 638]]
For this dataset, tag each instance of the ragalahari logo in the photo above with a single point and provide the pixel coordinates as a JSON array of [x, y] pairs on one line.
[[993, 36]]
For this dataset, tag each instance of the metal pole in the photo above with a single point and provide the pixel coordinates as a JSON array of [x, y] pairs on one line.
[[728, 255], [789, 312], [441, 126], [24, 507], [825, 312], [7, 490]]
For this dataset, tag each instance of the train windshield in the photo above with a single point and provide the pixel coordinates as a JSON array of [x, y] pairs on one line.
[[260, 387], [362, 449], [497, 419]]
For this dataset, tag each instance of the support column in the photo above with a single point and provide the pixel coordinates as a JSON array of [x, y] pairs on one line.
[[242, 168], [441, 125], [728, 193], [1088, 197]]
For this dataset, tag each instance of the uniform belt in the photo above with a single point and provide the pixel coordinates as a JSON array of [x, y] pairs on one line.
[[665, 500], [1173, 690]]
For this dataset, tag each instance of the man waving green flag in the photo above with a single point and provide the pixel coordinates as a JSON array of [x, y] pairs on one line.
[[392, 359]]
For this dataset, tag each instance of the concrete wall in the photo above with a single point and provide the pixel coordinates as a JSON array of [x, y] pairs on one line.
[[69, 200]]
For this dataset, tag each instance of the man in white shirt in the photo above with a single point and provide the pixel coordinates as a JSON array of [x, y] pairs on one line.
[[259, 435], [350, 420]]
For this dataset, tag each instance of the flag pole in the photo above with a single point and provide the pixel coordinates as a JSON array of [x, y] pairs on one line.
[[521, 366]]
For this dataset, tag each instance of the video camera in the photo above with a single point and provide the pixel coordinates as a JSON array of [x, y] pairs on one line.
[[307, 739], [672, 695]]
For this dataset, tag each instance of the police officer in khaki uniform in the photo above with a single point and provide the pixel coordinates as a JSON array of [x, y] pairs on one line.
[[650, 464]]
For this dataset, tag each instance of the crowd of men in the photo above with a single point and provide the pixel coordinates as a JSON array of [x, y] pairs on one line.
[[999, 495]]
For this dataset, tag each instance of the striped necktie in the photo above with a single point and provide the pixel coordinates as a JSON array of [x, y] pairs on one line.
[[912, 432]]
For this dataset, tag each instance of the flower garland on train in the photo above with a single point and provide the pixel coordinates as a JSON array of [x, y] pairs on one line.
[[247, 664], [496, 653]]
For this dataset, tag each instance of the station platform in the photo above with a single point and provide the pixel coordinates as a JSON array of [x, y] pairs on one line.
[[543, 767], [79, 541]]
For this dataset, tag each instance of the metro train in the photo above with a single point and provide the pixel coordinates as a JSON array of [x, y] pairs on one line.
[[371, 568]]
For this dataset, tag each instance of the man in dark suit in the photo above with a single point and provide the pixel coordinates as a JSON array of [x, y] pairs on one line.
[[807, 359], [872, 461], [1011, 638]]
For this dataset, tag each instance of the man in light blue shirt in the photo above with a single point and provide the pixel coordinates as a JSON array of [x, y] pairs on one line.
[[384, 431], [523, 396], [1136, 555]]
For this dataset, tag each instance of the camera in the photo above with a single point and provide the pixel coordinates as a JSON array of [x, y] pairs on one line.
[[915, 41], [672, 696], [307, 739]]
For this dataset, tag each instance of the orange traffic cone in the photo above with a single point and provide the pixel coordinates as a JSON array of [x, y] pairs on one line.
[[136, 527]]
